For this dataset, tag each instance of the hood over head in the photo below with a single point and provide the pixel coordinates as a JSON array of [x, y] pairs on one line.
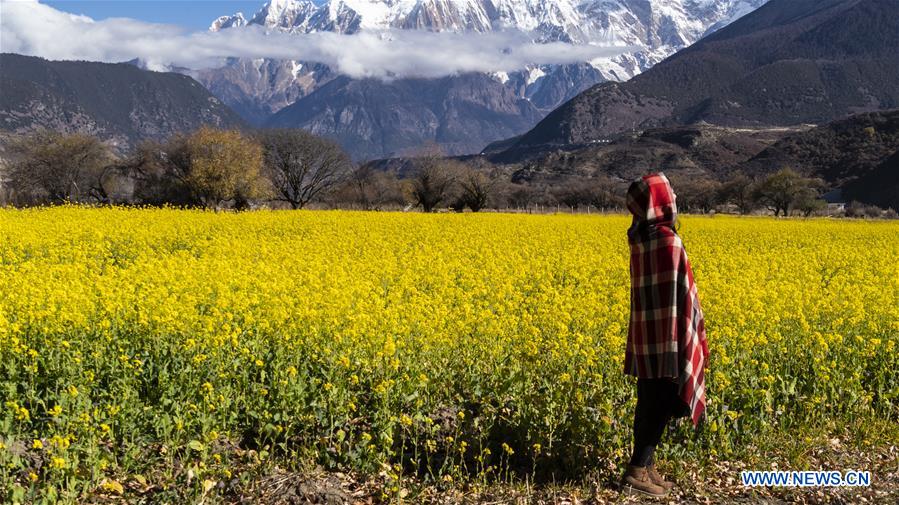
[[652, 201]]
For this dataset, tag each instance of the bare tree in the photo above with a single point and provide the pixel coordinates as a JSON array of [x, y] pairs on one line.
[[604, 194], [572, 193], [599, 192], [160, 172], [371, 188], [60, 167], [475, 188], [519, 195], [738, 190], [695, 193], [302, 166], [433, 178]]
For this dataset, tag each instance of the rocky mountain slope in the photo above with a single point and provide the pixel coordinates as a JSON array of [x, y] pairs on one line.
[[859, 155], [697, 150], [260, 88], [117, 102], [788, 63], [370, 117]]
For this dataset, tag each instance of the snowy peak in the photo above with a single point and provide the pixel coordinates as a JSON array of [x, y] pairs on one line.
[[362, 112], [275, 14], [447, 15], [284, 14], [235, 21], [726, 12], [658, 27], [652, 23]]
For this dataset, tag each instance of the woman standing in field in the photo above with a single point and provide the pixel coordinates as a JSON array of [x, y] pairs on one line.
[[666, 342]]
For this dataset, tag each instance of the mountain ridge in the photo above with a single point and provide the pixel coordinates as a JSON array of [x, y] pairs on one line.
[[787, 63], [118, 102], [262, 88]]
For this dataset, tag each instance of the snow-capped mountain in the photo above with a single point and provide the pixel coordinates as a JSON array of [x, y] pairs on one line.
[[658, 27], [259, 88]]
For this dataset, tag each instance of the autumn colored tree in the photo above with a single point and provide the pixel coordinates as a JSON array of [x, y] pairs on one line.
[[224, 166]]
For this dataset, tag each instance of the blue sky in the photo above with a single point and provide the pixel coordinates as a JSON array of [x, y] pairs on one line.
[[192, 14]]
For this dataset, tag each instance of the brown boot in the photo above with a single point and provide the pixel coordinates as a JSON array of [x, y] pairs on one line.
[[637, 479], [656, 478]]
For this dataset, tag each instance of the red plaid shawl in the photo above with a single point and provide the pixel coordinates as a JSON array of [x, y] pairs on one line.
[[666, 335]]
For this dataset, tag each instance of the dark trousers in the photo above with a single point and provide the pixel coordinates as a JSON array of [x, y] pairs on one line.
[[657, 403]]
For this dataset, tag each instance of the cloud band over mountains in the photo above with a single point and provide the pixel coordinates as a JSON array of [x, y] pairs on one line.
[[31, 28]]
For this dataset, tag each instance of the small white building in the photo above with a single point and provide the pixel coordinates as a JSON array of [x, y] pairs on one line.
[[834, 199]]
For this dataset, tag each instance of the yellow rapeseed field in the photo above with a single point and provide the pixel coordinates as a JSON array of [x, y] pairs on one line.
[[160, 343]]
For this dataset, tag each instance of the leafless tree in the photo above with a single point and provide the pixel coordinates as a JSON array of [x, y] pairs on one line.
[[302, 166], [160, 172], [695, 193], [475, 188], [738, 190], [371, 188], [433, 178], [60, 167], [599, 192], [519, 195]]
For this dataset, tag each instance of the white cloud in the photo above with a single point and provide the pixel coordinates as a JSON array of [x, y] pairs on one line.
[[32, 28]]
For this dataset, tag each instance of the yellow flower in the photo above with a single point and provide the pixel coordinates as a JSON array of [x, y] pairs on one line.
[[37, 444], [510, 305], [111, 486], [60, 442]]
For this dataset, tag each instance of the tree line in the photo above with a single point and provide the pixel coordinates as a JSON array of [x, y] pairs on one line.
[[293, 168], [209, 167]]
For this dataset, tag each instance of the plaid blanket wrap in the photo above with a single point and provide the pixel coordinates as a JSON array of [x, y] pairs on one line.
[[666, 333]]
